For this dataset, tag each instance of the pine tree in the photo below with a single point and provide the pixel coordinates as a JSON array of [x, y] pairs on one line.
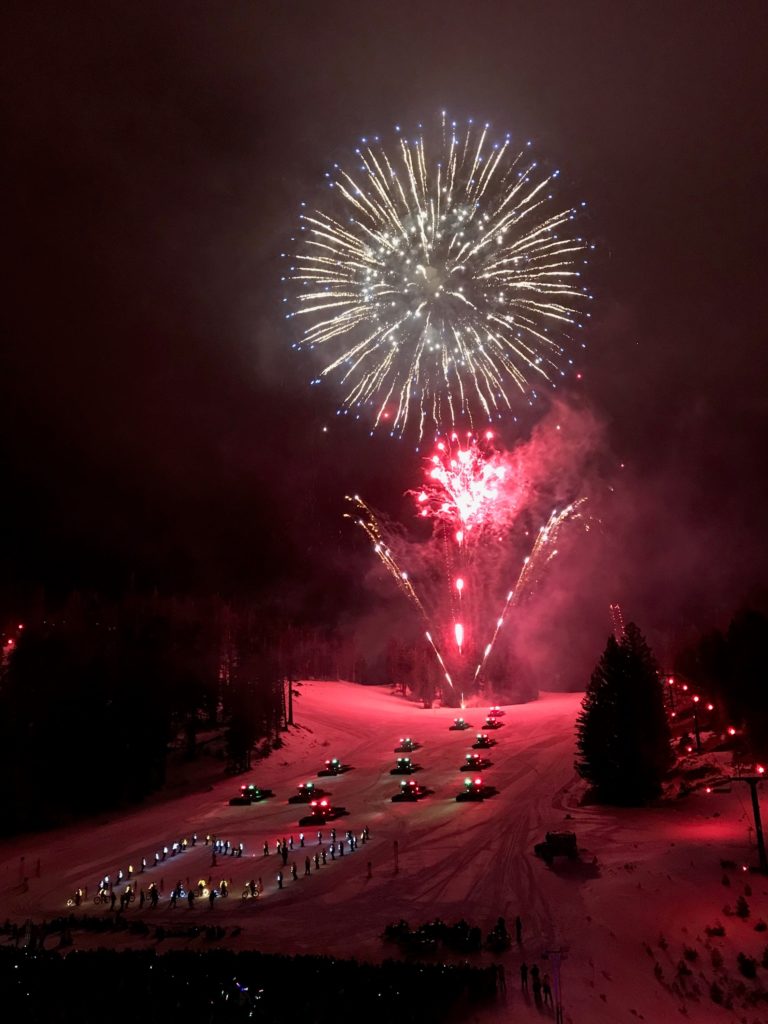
[[622, 731]]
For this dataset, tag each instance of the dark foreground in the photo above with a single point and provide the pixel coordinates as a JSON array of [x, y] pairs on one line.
[[56, 986]]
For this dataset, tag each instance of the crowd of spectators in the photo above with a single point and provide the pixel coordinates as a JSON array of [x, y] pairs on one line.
[[57, 933], [42, 986], [460, 937]]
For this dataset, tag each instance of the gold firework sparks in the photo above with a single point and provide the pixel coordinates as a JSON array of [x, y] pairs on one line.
[[440, 616]]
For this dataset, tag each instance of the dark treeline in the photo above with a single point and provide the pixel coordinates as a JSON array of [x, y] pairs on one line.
[[94, 695], [622, 733], [410, 664], [731, 668]]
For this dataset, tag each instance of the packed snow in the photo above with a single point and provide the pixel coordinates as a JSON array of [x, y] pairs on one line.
[[636, 903]]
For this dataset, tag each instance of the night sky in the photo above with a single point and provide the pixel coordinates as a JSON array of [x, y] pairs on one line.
[[155, 425]]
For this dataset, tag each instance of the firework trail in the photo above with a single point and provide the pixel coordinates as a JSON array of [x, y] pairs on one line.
[[542, 553], [376, 532], [617, 621], [473, 499], [438, 278]]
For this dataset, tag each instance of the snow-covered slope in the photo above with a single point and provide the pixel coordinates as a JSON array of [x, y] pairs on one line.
[[656, 884]]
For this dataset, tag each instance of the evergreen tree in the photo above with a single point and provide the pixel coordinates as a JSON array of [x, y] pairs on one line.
[[623, 736], [253, 697]]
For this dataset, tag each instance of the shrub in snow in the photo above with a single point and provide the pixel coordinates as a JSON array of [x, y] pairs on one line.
[[716, 993], [715, 929], [742, 907], [747, 965]]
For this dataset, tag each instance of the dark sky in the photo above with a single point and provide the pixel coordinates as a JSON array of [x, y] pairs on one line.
[[154, 422]]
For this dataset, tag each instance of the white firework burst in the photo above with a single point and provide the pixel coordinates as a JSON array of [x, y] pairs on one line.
[[441, 281]]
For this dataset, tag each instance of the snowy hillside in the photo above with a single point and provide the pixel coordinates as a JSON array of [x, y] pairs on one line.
[[647, 885]]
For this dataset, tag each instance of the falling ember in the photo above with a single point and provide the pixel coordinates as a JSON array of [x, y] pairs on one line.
[[459, 584], [458, 630], [438, 279]]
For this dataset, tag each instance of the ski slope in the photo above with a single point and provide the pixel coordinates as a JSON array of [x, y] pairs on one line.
[[643, 873]]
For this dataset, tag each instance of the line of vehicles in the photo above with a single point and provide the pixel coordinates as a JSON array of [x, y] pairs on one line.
[[317, 801], [318, 808]]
